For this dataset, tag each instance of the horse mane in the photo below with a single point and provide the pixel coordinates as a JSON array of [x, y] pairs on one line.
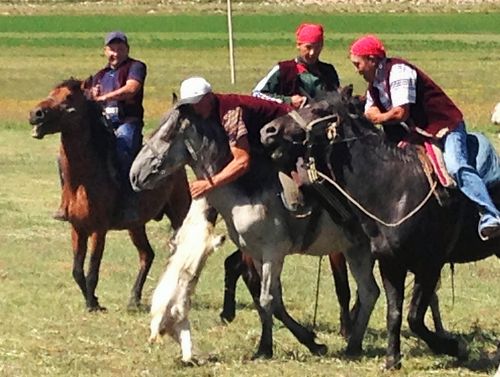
[[102, 139], [353, 107]]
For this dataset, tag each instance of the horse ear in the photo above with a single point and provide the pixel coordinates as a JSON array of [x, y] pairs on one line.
[[346, 92], [174, 98], [87, 83]]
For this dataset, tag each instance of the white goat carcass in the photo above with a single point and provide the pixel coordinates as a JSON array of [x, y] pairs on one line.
[[495, 117], [171, 300]]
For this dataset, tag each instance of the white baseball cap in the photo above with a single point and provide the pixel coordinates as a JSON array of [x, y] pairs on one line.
[[193, 89]]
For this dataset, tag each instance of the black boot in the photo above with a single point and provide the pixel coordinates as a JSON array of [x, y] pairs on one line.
[[128, 207]]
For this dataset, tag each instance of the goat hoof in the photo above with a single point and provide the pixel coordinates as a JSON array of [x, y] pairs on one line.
[[191, 362]]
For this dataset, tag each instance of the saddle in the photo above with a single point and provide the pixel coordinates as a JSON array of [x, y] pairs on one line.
[[430, 154]]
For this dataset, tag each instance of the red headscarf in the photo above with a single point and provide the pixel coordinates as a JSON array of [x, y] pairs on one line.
[[309, 33], [368, 45]]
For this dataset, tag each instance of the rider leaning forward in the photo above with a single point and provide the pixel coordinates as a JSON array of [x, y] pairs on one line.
[[398, 92]]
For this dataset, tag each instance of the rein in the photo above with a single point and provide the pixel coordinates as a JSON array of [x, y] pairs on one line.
[[314, 173], [368, 213]]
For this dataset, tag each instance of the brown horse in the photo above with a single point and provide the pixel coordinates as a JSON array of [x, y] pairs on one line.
[[90, 193]]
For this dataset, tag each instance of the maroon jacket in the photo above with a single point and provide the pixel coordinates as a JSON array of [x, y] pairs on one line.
[[433, 111], [257, 112], [132, 107]]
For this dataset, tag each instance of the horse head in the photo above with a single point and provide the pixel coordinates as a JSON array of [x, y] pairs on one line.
[[333, 120], [63, 107], [182, 139]]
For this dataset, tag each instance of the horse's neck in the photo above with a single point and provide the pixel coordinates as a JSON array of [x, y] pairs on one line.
[[370, 165], [79, 157], [208, 156]]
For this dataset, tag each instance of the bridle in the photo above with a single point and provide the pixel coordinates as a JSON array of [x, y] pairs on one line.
[[315, 175], [193, 152]]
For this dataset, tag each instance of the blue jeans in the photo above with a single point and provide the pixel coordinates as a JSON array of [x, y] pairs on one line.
[[473, 163], [128, 142]]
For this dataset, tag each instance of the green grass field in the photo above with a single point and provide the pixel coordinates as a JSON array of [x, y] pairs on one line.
[[44, 330]]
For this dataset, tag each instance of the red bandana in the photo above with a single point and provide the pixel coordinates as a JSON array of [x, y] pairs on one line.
[[368, 45], [309, 33]]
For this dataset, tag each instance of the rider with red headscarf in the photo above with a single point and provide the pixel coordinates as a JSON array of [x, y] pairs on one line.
[[399, 92], [297, 80]]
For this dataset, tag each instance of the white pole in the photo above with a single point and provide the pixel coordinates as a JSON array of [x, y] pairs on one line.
[[231, 50]]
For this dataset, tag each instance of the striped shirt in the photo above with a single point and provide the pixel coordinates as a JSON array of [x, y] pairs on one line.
[[402, 86]]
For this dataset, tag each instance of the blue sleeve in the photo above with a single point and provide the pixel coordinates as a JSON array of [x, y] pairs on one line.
[[137, 72]]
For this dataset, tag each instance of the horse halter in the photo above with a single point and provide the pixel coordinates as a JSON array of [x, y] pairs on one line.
[[331, 130]]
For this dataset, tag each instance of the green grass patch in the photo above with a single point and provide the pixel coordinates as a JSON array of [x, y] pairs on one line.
[[210, 23]]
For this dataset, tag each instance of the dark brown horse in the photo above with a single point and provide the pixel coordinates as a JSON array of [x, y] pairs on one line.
[[91, 194]]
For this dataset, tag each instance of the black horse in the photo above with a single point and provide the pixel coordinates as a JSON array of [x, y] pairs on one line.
[[389, 184]]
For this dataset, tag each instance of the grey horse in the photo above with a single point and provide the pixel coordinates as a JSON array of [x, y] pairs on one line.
[[257, 222]]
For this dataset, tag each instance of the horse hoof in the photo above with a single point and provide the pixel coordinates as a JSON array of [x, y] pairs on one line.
[[345, 332], [353, 351], [462, 351], [137, 308], [97, 308], [227, 318], [260, 355], [393, 362], [319, 350]]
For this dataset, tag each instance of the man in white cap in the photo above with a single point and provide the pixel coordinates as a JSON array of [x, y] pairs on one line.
[[241, 116]]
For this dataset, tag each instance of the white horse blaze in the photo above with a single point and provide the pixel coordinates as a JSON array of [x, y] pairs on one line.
[[171, 300]]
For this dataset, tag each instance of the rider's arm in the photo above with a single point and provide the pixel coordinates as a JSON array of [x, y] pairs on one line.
[[268, 87], [134, 83], [397, 114], [238, 166], [402, 86], [129, 90]]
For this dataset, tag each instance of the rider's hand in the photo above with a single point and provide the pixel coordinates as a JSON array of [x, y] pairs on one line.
[[95, 91], [199, 188], [297, 101]]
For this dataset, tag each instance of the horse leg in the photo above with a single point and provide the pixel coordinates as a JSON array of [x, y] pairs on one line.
[[361, 265], [146, 256], [236, 265], [341, 282], [97, 248], [423, 290], [269, 273], [233, 268], [393, 277], [303, 335], [436, 314], [79, 245]]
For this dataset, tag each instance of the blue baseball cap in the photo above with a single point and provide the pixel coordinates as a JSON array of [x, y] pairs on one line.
[[115, 36]]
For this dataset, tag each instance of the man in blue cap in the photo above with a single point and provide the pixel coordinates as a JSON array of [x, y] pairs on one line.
[[119, 86]]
